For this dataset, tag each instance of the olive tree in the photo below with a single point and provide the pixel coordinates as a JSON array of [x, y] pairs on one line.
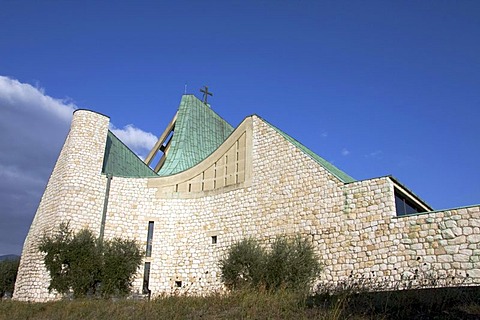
[[290, 263], [81, 264]]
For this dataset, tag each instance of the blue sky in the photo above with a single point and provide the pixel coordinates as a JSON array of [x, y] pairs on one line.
[[375, 87]]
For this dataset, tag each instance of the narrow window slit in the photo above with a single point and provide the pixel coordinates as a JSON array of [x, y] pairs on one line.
[[148, 250]]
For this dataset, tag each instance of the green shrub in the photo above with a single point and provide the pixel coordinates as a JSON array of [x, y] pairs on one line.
[[57, 258], [121, 259], [8, 275], [82, 264], [243, 265], [290, 264]]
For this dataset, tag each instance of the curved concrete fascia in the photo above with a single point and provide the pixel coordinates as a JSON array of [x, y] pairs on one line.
[[245, 127]]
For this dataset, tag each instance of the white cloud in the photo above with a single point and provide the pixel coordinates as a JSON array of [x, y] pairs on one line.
[[345, 152], [25, 97], [136, 139], [33, 127]]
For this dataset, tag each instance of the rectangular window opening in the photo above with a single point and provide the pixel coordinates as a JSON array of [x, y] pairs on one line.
[[148, 251], [404, 205], [146, 278], [214, 239], [178, 284]]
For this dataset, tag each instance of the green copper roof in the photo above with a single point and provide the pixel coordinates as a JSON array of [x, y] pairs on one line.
[[120, 161], [198, 132], [324, 163]]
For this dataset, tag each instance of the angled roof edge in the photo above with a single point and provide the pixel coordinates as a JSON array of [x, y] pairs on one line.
[[198, 132], [404, 188], [342, 176], [411, 193], [120, 161]]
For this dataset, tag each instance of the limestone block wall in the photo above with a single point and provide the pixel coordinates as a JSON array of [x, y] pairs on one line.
[[353, 226], [354, 237], [288, 193], [282, 191], [182, 248], [448, 241], [74, 193], [373, 240]]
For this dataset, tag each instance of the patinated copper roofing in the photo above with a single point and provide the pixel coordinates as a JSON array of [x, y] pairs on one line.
[[198, 132], [120, 161]]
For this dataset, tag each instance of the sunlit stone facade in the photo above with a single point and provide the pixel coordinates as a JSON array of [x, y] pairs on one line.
[[258, 184]]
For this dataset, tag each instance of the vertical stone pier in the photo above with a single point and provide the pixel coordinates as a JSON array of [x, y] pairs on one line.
[[74, 194]]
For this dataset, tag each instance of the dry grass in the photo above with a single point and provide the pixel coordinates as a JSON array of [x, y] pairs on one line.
[[412, 304], [242, 305]]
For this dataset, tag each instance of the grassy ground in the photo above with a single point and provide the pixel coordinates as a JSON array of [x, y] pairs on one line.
[[245, 305], [414, 304]]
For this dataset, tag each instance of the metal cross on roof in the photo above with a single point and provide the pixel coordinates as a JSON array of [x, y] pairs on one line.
[[205, 94]]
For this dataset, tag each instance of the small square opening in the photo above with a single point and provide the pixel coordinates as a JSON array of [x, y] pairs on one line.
[[214, 239], [178, 284]]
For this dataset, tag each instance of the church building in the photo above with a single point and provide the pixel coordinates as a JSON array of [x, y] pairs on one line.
[[206, 185]]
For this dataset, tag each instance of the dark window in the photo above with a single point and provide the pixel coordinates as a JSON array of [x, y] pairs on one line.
[[214, 239], [178, 284], [148, 252], [146, 278], [404, 205]]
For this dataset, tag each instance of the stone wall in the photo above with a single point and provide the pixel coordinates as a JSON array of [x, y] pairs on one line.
[[353, 226], [372, 240], [74, 194]]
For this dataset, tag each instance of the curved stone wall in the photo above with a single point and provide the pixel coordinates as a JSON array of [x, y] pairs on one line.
[[74, 194]]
